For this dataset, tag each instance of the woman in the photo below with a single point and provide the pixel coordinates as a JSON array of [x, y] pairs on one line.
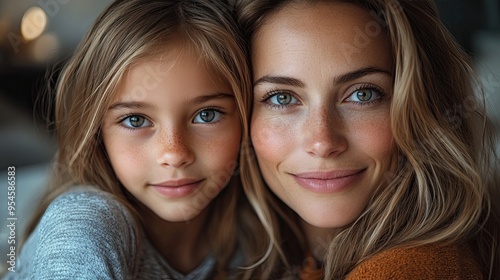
[[356, 130]]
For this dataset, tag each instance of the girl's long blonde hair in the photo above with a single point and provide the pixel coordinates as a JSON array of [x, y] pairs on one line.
[[127, 32], [443, 189]]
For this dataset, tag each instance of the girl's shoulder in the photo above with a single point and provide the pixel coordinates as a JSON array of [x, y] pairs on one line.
[[83, 201], [86, 215], [84, 231], [433, 261], [85, 207]]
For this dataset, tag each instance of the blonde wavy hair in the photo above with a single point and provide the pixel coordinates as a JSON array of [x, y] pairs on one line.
[[127, 32], [443, 188]]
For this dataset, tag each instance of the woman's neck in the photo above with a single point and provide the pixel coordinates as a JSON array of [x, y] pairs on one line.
[[184, 245], [318, 239]]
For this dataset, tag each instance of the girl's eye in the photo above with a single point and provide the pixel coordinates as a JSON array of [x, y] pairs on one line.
[[365, 95], [281, 99], [135, 121], [207, 116]]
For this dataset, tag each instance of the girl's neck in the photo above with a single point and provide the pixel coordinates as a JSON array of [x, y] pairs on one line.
[[184, 245], [318, 239]]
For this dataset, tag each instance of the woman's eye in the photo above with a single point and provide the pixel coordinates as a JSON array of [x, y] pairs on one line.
[[135, 121], [207, 116], [364, 95], [282, 99]]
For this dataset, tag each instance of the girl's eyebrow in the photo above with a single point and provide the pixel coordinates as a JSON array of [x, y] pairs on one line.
[[142, 105], [208, 97], [130, 105], [289, 81]]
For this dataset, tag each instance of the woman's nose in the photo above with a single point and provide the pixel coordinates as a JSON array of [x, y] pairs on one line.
[[323, 133]]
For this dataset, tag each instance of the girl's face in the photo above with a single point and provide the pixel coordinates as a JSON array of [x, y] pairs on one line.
[[321, 122], [172, 134]]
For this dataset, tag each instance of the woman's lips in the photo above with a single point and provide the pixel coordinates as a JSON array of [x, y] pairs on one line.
[[177, 188], [328, 182]]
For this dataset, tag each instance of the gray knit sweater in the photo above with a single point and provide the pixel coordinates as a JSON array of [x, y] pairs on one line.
[[87, 234]]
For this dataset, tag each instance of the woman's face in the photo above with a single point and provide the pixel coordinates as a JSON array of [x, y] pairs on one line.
[[321, 118]]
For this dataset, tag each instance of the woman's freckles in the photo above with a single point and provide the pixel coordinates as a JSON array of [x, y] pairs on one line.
[[321, 127]]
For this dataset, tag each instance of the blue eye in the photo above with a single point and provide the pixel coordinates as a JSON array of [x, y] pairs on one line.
[[281, 99], [135, 121], [207, 116], [365, 95]]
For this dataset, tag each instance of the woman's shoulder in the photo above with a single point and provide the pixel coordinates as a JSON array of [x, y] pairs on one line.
[[433, 261]]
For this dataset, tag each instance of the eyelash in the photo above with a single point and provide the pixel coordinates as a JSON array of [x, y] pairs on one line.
[[213, 109], [122, 119], [120, 122], [378, 90], [273, 92]]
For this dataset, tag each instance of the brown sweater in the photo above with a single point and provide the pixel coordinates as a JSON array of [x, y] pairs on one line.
[[424, 262]]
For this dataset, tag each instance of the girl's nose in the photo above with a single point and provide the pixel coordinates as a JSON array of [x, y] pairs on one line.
[[174, 147]]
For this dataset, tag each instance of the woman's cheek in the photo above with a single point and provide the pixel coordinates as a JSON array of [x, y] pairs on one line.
[[271, 137]]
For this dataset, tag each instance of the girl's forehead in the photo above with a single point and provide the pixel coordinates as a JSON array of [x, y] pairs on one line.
[[173, 51], [167, 67]]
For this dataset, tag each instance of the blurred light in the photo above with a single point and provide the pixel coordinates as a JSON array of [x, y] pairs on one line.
[[33, 23], [45, 47]]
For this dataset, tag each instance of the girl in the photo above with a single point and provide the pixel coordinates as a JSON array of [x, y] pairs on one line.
[[365, 124], [149, 114]]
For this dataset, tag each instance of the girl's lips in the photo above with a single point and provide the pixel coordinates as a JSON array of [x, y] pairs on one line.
[[328, 182], [177, 188]]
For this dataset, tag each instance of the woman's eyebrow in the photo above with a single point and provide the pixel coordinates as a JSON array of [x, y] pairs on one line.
[[356, 74], [281, 80], [289, 81]]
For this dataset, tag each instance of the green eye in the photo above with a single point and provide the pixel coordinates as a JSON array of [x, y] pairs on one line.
[[364, 94], [207, 116], [282, 99], [135, 121]]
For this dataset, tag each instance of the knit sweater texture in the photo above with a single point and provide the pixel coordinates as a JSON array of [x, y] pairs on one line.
[[429, 262], [88, 234], [425, 262]]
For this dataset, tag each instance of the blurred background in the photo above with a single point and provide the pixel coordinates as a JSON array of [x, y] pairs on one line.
[[35, 35]]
